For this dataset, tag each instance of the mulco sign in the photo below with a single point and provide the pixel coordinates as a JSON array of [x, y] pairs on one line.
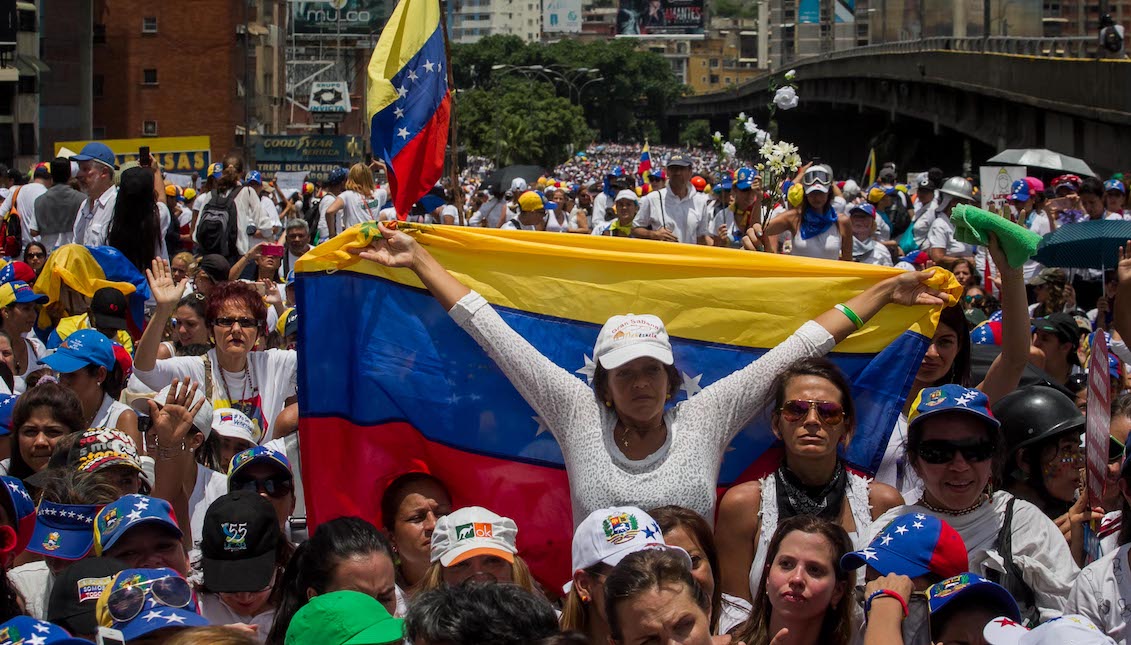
[[345, 16]]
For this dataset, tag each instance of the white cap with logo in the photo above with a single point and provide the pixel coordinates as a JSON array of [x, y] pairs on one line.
[[610, 534], [231, 423], [629, 337], [473, 531]]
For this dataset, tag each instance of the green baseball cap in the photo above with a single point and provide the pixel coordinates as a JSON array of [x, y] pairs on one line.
[[344, 618]]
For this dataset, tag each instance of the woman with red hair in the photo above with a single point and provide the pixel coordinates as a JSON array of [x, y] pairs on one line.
[[233, 373]]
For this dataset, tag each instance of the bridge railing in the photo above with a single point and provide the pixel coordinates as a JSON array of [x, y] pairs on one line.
[[1065, 47]]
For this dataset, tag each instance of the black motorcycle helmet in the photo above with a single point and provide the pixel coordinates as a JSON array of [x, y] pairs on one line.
[[1031, 418]]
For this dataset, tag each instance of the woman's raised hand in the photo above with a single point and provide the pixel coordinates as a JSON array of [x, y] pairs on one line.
[[161, 285], [393, 249], [910, 288]]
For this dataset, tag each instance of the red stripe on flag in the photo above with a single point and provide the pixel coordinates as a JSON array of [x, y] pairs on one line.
[[335, 451], [419, 164]]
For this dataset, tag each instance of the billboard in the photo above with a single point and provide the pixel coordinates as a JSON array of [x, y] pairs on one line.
[[354, 17], [175, 154], [561, 16], [658, 17], [315, 154], [809, 11]]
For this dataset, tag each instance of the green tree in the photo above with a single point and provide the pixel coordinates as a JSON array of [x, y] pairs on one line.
[[696, 133]]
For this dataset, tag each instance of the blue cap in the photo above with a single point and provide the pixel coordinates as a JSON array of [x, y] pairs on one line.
[[154, 615], [116, 519], [83, 347], [25, 630], [97, 151], [258, 455], [290, 278], [913, 545], [867, 209], [679, 159], [725, 182], [7, 404], [16, 292], [971, 585], [63, 531], [25, 511], [216, 170], [338, 175], [254, 177], [744, 178], [1019, 191], [1114, 185], [951, 398]]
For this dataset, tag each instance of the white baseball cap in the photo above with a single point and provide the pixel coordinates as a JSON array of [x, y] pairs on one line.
[[518, 184], [203, 419], [1070, 629], [232, 423], [626, 194], [609, 534], [473, 531], [629, 337]]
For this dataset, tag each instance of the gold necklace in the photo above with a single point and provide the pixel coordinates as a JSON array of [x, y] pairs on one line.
[[624, 439]]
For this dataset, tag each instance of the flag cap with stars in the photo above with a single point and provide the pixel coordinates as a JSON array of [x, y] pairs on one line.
[[20, 502], [951, 398], [609, 534], [256, 455], [25, 630], [154, 614], [63, 531], [972, 587], [913, 545], [115, 520], [473, 531], [1070, 629]]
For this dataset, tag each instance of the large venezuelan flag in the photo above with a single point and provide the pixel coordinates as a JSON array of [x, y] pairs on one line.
[[87, 269], [409, 102], [388, 383]]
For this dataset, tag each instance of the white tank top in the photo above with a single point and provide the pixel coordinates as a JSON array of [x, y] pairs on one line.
[[825, 246], [856, 492], [107, 415]]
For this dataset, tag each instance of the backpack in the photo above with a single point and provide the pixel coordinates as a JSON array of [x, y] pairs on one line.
[[11, 232], [312, 213], [216, 230]]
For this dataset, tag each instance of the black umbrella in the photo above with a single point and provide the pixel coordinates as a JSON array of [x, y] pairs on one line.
[[1093, 244], [500, 180]]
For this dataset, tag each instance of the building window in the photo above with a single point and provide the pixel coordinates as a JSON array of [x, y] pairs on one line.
[[714, 62], [714, 79], [99, 83], [28, 85], [27, 139], [149, 76], [728, 80], [149, 129], [98, 34], [149, 24]]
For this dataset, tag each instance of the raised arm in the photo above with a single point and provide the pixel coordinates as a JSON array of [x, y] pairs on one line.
[[1005, 372], [237, 269], [332, 215], [782, 222], [1122, 306], [167, 294]]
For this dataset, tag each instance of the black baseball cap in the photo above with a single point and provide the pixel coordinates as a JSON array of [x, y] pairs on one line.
[[76, 591], [215, 266], [1061, 324], [679, 159], [238, 543], [108, 309]]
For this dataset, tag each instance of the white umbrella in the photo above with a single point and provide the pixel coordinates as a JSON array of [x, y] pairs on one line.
[[1042, 158]]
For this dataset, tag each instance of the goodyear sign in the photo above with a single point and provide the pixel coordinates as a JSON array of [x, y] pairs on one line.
[[315, 154], [175, 154]]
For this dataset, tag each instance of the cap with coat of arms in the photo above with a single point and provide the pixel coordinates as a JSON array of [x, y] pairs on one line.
[[116, 519], [25, 630], [473, 531], [607, 535], [951, 398], [63, 531]]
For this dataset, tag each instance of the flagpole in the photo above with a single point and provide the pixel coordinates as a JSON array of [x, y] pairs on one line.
[[453, 130]]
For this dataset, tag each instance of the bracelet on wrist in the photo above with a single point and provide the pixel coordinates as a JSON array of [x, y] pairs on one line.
[[890, 594], [851, 315]]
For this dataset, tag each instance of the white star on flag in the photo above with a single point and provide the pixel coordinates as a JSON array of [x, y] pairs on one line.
[[412, 75], [14, 486], [69, 514], [589, 370], [151, 615], [36, 640], [42, 628], [133, 516], [869, 554], [402, 133], [966, 397], [690, 384], [142, 504], [917, 525], [541, 426], [920, 517], [402, 91], [429, 66], [901, 529], [398, 112], [885, 539], [174, 618]]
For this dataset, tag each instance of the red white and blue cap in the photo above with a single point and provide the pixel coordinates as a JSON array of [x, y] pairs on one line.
[[1019, 191], [83, 347], [7, 404], [17, 271], [744, 178], [913, 545], [25, 630], [1114, 185], [63, 531], [254, 177], [20, 502], [951, 398], [969, 586], [116, 519], [867, 209], [987, 333], [258, 455], [154, 615], [1070, 629]]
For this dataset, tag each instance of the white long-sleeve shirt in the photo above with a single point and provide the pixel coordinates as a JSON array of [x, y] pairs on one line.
[[685, 470]]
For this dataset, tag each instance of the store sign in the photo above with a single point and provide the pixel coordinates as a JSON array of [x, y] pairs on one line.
[[329, 97], [314, 154], [561, 16], [357, 17], [175, 154]]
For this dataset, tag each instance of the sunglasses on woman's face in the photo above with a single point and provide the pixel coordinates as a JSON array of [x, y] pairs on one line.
[[940, 452], [974, 299], [125, 603], [828, 412], [1114, 450], [34, 256], [275, 486]]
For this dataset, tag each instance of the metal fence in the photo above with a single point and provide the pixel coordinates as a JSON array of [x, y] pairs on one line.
[[1066, 47]]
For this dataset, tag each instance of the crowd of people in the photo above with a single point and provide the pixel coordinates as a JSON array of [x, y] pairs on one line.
[[150, 491]]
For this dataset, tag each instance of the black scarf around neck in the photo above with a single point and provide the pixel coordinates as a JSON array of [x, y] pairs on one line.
[[795, 498]]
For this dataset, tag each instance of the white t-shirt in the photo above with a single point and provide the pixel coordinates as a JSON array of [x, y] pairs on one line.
[[357, 210], [1102, 593], [493, 209], [210, 486], [941, 236], [25, 204], [686, 218], [217, 613], [92, 223], [270, 221], [260, 392], [323, 227], [108, 413], [34, 581]]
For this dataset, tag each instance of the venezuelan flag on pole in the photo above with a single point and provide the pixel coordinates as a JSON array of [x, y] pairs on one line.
[[645, 162], [409, 101], [389, 384], [870, 169]]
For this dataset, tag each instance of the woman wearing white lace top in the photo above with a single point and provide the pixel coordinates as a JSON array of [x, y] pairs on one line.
[[619, 444]]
